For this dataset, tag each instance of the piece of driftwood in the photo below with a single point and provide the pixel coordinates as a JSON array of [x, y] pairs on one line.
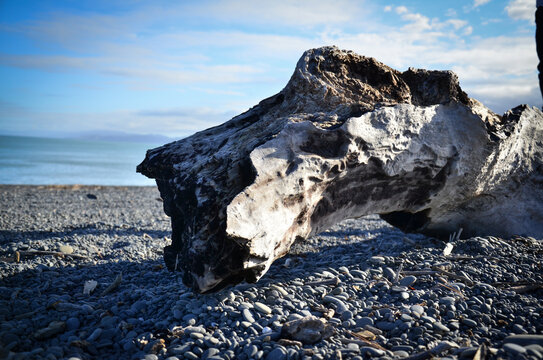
[[348, 136], [114, 285], [440, 272]]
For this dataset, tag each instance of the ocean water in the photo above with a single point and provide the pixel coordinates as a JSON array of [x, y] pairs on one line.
[[41, 161]]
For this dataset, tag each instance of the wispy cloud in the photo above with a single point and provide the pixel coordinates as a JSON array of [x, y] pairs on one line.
[[225, 55], [521, 9], [477, 3], [286, 13], [179, 122]]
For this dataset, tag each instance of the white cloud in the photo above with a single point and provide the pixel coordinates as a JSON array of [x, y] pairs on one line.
[[293, 13], [401, 10], [477, 3], [450, 13], [219, 62], [418, 23], [521, 9], [457, 23], [491, 21]]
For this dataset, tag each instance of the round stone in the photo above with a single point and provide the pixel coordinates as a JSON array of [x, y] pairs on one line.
[[408, 280], [398, 353], [469, 322], [265, 309], [514, 349], [66, 249], [389, 274], [247, 315], [95, 335], [190, 355], [378, 260], [196, 335], [72, 324], [277, 354], [362, 322], [177, 314], [439, 327], [251, 351], [366, 350], [418, 309], [447, 300], [346, 315]]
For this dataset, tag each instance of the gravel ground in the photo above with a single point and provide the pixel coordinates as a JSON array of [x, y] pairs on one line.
[[379, 292]]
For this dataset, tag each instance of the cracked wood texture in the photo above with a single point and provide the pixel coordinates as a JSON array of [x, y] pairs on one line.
[[348, 136]]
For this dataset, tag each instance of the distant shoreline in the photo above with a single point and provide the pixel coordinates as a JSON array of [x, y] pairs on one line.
[[43, 161], [148, 139], [74, 186]]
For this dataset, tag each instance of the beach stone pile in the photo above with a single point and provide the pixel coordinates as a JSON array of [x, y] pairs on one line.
[[360, 290]]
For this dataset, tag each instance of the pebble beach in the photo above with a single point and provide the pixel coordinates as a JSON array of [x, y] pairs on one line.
[[82, 277]]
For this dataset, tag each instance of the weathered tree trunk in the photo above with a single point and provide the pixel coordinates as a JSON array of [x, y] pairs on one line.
[[348, 136]]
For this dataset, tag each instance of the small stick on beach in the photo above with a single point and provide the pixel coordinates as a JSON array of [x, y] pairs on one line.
[[115, 284], [437, 271], [332, 281]]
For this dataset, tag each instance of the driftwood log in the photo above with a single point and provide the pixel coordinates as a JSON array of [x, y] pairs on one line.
[[347, 136]]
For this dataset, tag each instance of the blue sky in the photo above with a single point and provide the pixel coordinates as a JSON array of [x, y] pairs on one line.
[[176, 67]]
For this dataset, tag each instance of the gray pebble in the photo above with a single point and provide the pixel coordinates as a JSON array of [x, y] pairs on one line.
[[514, 349], [377, 260], [264, 309], [408, 280], [346, 315], [72, 324], [210, 352], [190, 355], [401, 354], [196, 335], [211, 341], [278, 353], [447, 300], [179, 350], [340, 305], [469, 322], [439, 327], [247, 315], [518, 329], [251, 351], [362, 322], [385, 325], [177, 314], [369, 351], [417, 309], [535, 350], [389, 274], [95, 334]]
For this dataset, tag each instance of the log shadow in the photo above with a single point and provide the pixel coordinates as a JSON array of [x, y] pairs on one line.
[[70, 232]]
